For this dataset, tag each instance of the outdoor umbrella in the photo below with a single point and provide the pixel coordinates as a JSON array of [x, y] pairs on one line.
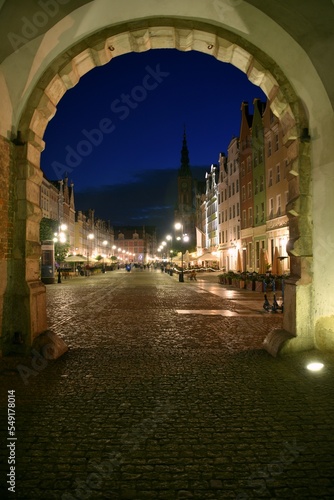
[[274, 264], [207, 256], [262, 265], [239, 262], [277, 263]]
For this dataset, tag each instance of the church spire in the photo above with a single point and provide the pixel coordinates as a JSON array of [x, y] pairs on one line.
[[184, 170]]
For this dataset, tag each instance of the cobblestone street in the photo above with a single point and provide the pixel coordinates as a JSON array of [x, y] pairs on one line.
[[166, 393]]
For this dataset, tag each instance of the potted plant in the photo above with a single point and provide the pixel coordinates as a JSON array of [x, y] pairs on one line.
[[250, 281], [242, 280], [222, 279], [259, 282]]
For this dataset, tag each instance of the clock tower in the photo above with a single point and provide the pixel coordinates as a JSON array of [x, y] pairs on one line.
[[185, 212]]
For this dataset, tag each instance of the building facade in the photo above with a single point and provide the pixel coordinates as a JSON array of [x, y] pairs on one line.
[[229, 207], [243, 211], [135, 245], [86, 235]]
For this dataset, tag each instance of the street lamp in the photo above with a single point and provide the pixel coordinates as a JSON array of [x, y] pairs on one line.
[[184, 238], [104, 243], [169, 250], [60, 237], [89, 237]]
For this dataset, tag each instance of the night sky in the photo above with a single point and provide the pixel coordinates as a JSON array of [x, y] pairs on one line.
[[118, 133]]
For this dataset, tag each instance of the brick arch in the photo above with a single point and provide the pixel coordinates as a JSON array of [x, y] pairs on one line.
[[101, 48]]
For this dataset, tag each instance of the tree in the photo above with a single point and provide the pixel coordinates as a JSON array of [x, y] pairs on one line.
[[61, 251], [47, 230]]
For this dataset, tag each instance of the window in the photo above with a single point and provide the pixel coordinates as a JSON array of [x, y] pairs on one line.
[[270, 175], [231, 169], [278, 204], [262, 212], [249, 190], [269, 148], [271, 208], [233, 211], [237, 186], [230, 212], [260, 156], [238, 209], [256, 214], [244, 221], [229, 191], [233, 189], [250, 255], [261, 183], [242, 169], [256, 186], [255, 159], [250, 216], [276, 142], [243, 192], [278, 173], [257, 254], [249, 164]]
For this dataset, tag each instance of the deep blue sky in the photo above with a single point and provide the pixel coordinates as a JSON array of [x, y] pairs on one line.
[[140, 103]]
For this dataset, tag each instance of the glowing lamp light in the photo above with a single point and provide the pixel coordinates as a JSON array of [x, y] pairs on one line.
[[315, 366]]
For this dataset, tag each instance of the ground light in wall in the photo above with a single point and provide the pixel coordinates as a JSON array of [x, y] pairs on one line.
[[315, 366]]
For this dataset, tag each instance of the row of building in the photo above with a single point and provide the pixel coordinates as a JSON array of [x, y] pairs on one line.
[[239, 219], [236, 215], [89, 236]]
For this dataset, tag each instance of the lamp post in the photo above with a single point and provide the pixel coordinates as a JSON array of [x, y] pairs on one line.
[[90, 237], [169, 250], [104, 243], [184, 238], [60, 237]]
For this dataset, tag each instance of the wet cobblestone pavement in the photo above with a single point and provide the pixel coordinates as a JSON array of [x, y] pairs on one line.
[[154, 402]]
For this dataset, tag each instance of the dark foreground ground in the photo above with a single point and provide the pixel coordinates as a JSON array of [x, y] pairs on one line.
[[166, 393]]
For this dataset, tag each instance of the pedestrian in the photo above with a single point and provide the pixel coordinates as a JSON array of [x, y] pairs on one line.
[[193, 275]]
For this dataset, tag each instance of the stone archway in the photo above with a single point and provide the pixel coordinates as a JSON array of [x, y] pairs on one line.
[[100, 50], [21, 289]]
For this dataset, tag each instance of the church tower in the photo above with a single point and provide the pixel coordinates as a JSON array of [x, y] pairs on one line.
[[185, 212]]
